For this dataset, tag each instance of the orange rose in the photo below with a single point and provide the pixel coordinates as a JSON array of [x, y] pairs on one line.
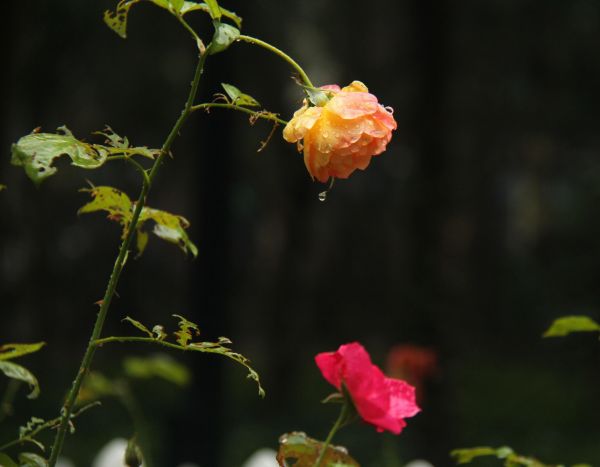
[[342, 135]]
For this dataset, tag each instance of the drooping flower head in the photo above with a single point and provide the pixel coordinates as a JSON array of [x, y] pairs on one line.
[[343, 134], [381, 401]]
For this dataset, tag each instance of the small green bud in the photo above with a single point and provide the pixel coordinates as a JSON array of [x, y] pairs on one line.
[[133, 454]]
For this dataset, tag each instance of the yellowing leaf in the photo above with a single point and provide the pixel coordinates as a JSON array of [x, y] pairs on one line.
[[167, 226], [138, 325], [10, 351], [568, 324], [186, 328]]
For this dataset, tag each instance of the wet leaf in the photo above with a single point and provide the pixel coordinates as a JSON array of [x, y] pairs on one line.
[[299, 450], [138, 325], [167, 226], [6, 461], [193, 6], [9, 351], [224, 36], [568, 324], [186, 328], [14, 371], [157, 366], [238, 97], [37, 152], [29, 459]]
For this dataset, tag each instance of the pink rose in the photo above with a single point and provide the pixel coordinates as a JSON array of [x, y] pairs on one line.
[[343, 134], [380, 401]]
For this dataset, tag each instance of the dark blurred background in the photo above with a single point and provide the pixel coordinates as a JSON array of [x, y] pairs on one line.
[[477, 227]]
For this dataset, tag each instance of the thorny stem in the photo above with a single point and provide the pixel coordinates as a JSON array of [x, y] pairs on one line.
[[49, 424], [256, 114], [338, 424], [281, 53], [88, 356]]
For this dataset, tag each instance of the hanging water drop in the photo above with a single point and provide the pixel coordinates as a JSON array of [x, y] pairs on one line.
[[323, 196]]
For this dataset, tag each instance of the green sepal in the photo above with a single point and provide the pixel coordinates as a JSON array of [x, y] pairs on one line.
[[238, 97], [10, 351], [224, 36], [297, 449], [569, 324], [14, 371]]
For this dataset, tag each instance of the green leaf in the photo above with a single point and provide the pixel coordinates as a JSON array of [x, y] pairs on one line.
[[157, 366], [115, 202], [238, 97], [29, 459], [37, 152], [568, 324], [138, 325], [167, 226], [193, 6], [2, 187], [176, 5], [224, 36], [299, 450], [32, 424], [14, 371], [170, 228], [6, 461], [186, 328], [214, 9], [120, 145], [10, 351], [96, 386]]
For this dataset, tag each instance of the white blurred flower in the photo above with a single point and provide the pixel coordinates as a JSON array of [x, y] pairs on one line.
[[419, 463], [262, 458], [112, 454]]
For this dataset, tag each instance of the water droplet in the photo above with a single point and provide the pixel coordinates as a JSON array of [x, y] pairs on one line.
[[323, 196]]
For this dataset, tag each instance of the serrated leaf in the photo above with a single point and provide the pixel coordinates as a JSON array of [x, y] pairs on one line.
[[14, 371], [31, 425], [159, 332], [37, 152], [120, 145], [117, 20], [157, 366], [568, 324], [224, 36], [115, 202], [138, 325], [193, 6], [10, 351], [186, 329], [167, 226], [6, 461], [299, 450], [29, 459], [238, 97]]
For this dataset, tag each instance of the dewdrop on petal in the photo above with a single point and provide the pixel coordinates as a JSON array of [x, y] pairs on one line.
[[343, 134]]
